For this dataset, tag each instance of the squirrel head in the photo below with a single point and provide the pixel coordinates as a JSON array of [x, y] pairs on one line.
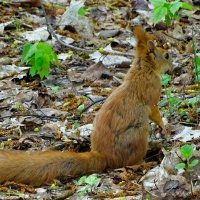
[[159, 59]]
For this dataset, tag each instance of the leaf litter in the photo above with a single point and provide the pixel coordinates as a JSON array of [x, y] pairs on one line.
[[42, 115]]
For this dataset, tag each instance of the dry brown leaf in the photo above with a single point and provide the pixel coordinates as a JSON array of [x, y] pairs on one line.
[[94, 72]]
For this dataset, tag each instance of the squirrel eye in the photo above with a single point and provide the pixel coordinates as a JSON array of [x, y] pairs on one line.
[[166, 56]]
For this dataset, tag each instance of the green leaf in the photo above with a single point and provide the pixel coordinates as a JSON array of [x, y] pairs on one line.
[[196, 70], [158, 14], [81, 180], [194, 100], [175, 6], [28, 51], [176, 17], [75, 125], [101, 50], [82, 11], [165, 79], [92, 179], [157, 3], [163, 102], [33, 71], [180, 166], [197, 77], [42, 63], [167, 20], [44, 71], [186, 6], [55, 89], [45, 47], [197, 61], [26, 48], [186, 151], [83, 192], [81, 108], [40, 55], [168, 92], [193, 163], [173, 100]]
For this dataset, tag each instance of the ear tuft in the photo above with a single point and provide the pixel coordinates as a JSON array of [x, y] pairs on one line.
[[142, 36], [139, 33]]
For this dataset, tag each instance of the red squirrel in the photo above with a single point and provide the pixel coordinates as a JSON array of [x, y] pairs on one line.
[[120, 136]]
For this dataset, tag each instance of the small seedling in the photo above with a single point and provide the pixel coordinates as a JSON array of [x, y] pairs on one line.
[[53, 186], [196, 69], [186, 152], [81, 109], [55, 89], [82, 11], [91, 182], [75, 125], [165, 80], [193, 101], [101, 50], [36, 129], [172, 102], [17, 23], [110, 39], [40, 56], [164, 9]]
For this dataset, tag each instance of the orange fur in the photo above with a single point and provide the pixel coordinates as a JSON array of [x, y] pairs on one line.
[[120, 134]]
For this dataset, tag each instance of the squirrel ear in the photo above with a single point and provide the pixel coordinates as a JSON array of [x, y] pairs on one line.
[[151, 46]]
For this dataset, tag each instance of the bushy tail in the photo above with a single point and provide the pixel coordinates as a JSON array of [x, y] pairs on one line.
[[43, 167]]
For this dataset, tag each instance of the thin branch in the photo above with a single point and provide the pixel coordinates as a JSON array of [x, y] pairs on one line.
[[29, 115], [52, 33], [93, 103]]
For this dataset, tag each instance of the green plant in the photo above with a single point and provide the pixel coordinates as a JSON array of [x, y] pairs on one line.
[[186, 152], [165, 80], [171, 102], [82, 11], [179, 109], [148, 196], [5, 2], [75, 125], [193, 101], [91, 182], [40, 56], [167, 10], [55, 89], [17, 23], [81, 109], [196, 69]]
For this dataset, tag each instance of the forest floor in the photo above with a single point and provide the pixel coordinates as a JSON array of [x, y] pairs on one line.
[[95, 47]]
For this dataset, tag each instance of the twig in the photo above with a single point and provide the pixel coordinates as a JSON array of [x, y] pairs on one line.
[[117, 53], [93, 103], [51, 32], [26, 115], [77, 116]]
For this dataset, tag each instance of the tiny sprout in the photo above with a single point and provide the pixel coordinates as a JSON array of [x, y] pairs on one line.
[[70, 52], [101, 50], [110, 39], [36, 129], [53, 186], [81, 108]]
